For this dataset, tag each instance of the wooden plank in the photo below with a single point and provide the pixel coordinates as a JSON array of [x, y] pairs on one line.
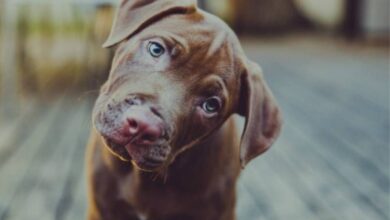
[[330, 162], [350, 126], [21, 126], [331, 119], [75, 174], [247, 207], [355, 93], [9, 102], [324, 181], [273, 193], [296, 180], [343, 66], [327, 129], [361, 190], [368, 128], [18, 166], [8, 125], [344, 167], [44, 189], [313, 183], [78, 205]]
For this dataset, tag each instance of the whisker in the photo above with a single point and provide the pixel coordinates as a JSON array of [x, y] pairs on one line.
[[88, 93]]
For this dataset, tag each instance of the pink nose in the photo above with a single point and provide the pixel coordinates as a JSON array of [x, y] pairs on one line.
[[144, 125]]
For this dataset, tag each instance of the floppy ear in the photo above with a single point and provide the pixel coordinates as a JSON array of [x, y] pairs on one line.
[[262, 116], [133, 15]]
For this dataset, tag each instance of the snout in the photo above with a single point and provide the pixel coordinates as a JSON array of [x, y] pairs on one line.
[[142, 126], [135, 131]]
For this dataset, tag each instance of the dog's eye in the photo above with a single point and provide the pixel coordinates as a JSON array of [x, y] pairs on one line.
[[155, 49], [211, 105]]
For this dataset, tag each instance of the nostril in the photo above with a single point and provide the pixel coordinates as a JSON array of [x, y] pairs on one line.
[[133, 126], [142, 126]]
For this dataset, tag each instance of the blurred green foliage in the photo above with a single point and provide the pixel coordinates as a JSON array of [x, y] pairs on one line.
[[59, 51]]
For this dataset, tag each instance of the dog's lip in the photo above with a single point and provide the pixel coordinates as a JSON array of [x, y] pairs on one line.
[[134, 141], [136, 153], [143, 162], [147, 165]]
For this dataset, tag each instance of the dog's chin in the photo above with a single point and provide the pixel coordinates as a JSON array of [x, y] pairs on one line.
[[146, 166], [147, 158]]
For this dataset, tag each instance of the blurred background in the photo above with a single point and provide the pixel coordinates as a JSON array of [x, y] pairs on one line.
[[327, 63]]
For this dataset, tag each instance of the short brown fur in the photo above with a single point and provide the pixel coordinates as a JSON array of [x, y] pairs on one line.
[[203, 154]]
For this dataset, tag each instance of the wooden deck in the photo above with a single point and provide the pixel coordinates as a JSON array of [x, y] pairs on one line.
[[331, 162]]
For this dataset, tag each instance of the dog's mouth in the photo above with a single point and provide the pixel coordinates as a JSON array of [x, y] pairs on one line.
[[136, 132], [149, 157]]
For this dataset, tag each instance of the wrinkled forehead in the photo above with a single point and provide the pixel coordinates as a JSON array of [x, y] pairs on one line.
[[203, 36]]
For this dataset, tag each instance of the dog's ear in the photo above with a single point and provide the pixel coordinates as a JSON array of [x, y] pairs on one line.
[[262, 115], [133, 15]]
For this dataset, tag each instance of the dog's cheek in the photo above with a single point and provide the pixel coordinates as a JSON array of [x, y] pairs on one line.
[[204, 120], [107, 121], [97, 121], [201, 125]]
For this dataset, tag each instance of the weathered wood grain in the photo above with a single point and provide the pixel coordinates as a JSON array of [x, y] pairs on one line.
[[17, 167], [48, 178], [331, 161]]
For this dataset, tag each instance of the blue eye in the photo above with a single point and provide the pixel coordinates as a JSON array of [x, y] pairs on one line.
[[211, 105], [155, 49]]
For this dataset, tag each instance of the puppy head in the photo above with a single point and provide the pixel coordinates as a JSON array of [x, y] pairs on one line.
[[178, 73]]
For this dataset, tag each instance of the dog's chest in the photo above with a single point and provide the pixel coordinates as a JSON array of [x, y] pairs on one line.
[[167, 201]]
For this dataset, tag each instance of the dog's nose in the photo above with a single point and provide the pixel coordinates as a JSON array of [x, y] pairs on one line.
[[143, 125]]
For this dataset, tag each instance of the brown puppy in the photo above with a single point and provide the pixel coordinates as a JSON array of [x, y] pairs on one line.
[[165, 146]]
